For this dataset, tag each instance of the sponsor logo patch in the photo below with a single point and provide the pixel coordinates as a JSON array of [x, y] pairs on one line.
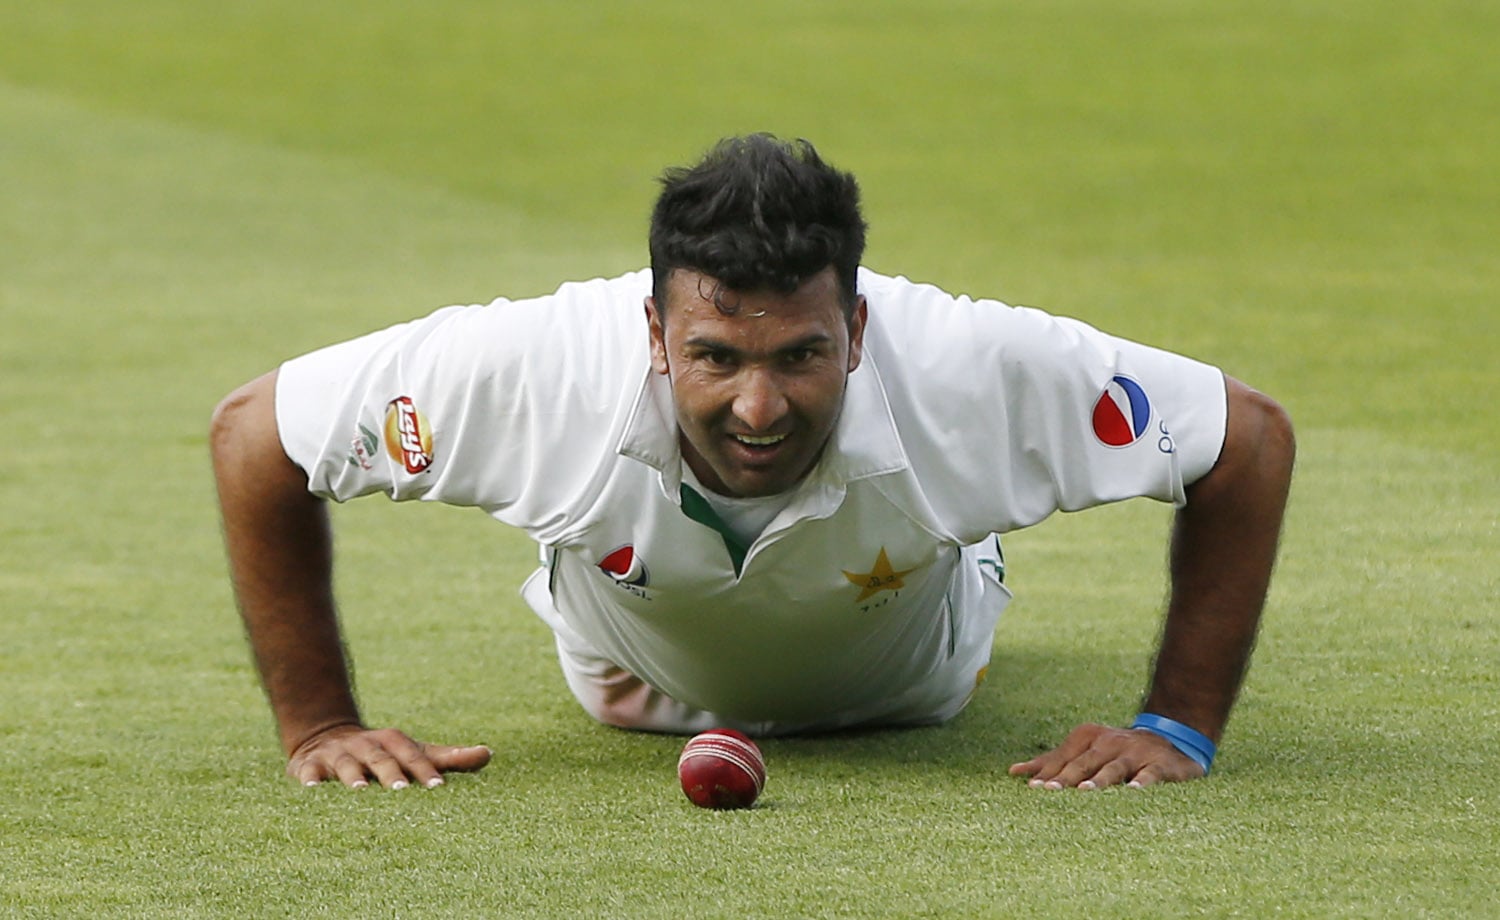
[[625, 567], [362, 449], [1122, 413], [408, 438]]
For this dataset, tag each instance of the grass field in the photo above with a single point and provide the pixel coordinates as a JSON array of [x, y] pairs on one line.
[[1303, 193]]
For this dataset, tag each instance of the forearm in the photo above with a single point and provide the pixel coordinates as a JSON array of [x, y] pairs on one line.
[[1223, 551], [280, 553], [286, 602]]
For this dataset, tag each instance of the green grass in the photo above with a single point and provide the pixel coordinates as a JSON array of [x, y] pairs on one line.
[[1303, 193]]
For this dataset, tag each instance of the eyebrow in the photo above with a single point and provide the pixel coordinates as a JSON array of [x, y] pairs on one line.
[[707, 343]]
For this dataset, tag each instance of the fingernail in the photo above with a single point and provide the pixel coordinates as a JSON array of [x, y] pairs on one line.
[[309, 782], [358, 784], [1052, 784], [1035, 784], [1087, 784], [435, 782], [399, 784]]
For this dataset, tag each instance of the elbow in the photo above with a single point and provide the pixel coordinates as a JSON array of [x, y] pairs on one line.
[[1277, 435], [1260, 444], [224, 420], [230, 421], [244, 422]]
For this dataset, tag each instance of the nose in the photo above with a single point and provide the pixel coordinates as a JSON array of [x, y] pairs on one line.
[[760, 401]]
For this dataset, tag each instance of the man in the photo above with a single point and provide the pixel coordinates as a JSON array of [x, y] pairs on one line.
[[770, 499]]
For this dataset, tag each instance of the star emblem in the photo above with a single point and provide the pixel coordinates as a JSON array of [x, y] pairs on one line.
[[880, 578]]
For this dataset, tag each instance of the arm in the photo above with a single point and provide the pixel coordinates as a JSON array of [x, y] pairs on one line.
[[1223, 550], [281, 564]]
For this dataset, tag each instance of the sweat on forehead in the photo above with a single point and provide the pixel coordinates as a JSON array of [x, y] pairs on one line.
[[686, 285], [716, 292]]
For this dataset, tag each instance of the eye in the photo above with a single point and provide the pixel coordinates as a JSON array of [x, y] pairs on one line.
[[799, 356], [719, 357]]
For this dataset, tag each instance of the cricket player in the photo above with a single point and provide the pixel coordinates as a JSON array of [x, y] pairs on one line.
[[766, 482]]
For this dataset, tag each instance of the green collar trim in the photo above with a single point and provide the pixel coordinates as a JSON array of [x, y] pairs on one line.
[[697, 508]]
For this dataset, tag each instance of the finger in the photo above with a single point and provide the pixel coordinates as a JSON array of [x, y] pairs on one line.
[[1043, 769], [389, 756], [307, 771], [425, 763], [1106, 761], [350, 771], [1045, 766], [1039, 769], [405, 762], [443, 758], [1025, 768], [1149, 775], [388, 768], [1110, 774], [1078, 770], [458, 759]]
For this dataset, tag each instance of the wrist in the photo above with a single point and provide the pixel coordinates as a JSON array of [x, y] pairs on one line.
[[1191, 742]]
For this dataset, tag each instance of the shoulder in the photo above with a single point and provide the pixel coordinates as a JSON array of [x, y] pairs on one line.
[[586, 327], [629, 289], [584, 341], [575, 307], [940, 335]]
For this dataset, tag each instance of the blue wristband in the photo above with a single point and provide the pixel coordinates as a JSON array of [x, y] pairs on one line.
[[1188, 740]]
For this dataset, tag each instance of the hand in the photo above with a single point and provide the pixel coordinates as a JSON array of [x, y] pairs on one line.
[[1095, 756], [353, 755]]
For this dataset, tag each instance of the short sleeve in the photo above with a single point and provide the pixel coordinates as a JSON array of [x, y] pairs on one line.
[[1011, 413], [509, 406]]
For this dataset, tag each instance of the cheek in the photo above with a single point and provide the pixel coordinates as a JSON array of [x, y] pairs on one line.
[[696, 396], [816, 404], [822, 396]]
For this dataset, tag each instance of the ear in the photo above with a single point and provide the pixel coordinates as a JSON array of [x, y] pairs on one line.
[[857, 332], [658, 337]]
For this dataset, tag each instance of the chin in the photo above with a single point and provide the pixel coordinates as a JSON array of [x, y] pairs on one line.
[[760, 487]]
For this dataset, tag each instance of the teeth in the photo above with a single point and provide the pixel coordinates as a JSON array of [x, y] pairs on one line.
[[765, 441]]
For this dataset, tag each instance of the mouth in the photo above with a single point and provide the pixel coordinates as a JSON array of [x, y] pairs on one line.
[[759, 441], [758, 450], [758, 464]]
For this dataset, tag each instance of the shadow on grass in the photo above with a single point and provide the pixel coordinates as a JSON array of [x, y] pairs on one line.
[[1027, 704]]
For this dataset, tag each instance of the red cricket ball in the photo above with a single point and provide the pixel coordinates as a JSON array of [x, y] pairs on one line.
[[721, 768]]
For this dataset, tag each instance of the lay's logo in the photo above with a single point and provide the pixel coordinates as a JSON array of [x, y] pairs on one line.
[[1122, 413], [408, 437]]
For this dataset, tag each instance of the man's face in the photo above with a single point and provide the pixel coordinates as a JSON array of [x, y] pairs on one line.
[[757, 393]]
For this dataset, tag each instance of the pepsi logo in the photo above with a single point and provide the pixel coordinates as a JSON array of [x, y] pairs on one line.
[[625, 567], [1122, 413]]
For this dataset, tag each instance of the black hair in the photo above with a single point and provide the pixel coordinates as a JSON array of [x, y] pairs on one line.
[[757, 213]]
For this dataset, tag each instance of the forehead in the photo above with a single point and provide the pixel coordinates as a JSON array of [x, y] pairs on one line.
[[694, 300]]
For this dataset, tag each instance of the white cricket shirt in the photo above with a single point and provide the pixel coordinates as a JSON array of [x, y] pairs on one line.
[[964, 418]]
